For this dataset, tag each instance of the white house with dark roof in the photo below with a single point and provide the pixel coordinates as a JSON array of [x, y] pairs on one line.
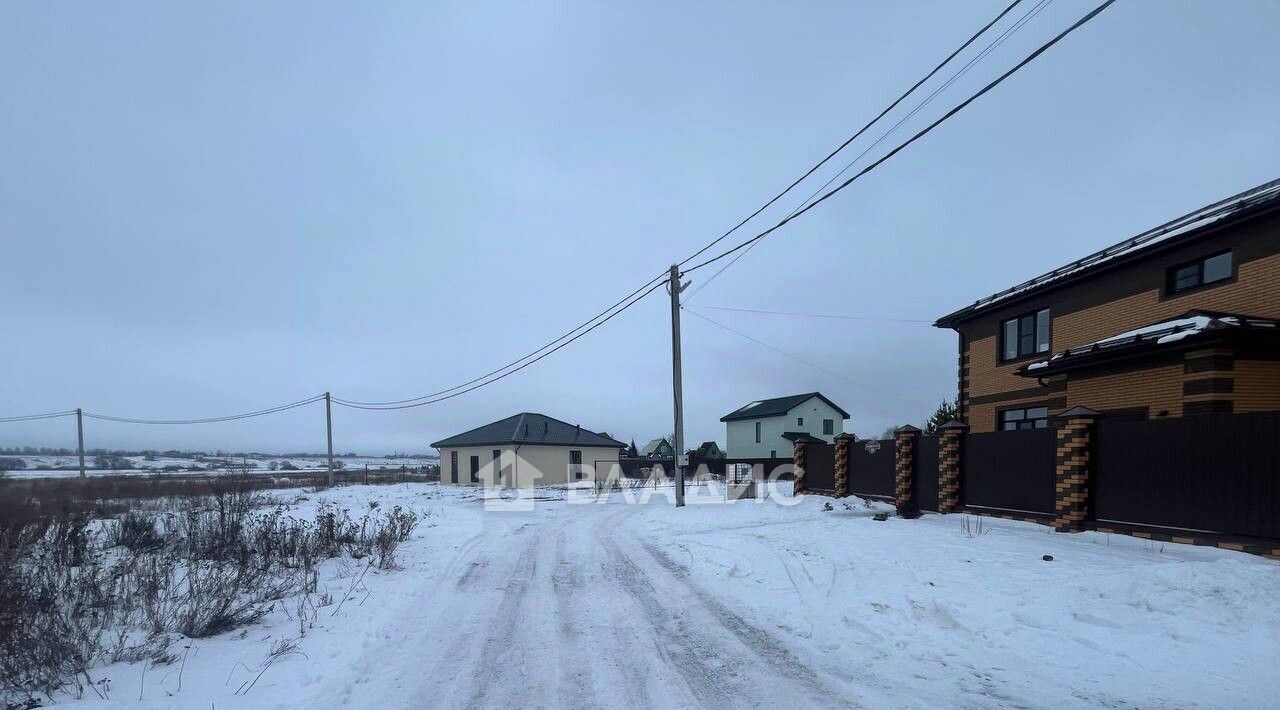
[[767, 428], [525, 450]]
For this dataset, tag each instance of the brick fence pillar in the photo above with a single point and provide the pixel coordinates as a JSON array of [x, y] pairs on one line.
[[907, 440], [844, 446], [1073, 469], [798, 486], [949, 464]]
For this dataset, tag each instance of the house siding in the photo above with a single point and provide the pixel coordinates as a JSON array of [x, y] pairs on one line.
[[537, 465], [1112, 302], [740, 434]]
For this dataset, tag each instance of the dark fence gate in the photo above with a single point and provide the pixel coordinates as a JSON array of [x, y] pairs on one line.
[[820, 467], [871, 473], [1214, 473], [1010, 470], [927, 473]]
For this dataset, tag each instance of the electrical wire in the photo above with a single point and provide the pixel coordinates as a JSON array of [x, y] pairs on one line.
[[634, 301], [33, 417], [920, 134], [876, 319], [855, 136], [991, 46], [208, 420]]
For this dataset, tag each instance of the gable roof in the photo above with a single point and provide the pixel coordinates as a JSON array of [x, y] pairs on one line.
[[778, 406], [529, 428], [1188, 227], [1193, 325], [653, 445]]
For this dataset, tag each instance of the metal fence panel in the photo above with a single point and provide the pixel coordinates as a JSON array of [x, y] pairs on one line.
[[927, 473], [1214, 472], [1010, 470], [871, 472]]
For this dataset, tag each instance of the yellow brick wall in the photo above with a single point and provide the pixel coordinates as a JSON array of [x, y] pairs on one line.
[[1255, 292], [1257, 385], [1159, 389]]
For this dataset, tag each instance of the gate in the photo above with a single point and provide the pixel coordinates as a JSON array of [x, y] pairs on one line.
[[927, 473], [871, 468], [1209, 473], [1010, 470], [819, 467]]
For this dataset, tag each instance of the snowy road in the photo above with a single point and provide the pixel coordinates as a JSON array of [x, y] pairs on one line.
[[577, 610]]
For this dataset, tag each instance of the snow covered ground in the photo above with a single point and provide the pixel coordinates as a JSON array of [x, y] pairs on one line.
[[178, 465], [746, 605]]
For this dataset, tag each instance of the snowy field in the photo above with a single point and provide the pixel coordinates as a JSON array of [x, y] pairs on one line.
[[744, 605], [176, 465]]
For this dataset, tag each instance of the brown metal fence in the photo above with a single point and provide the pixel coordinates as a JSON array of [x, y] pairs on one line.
[[871, 468], [1010, 470], [1215, 473], [927, 473], [819, 467]]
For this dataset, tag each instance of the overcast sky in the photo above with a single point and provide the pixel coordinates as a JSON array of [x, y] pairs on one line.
[[213, 208]]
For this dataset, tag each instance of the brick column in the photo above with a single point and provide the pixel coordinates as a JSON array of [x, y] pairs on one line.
[[844, 445], [908, 437], [1073, 469], [949, 463], [798, 486]]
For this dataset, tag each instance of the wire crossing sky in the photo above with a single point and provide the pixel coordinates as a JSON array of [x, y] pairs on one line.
[[207, 208]]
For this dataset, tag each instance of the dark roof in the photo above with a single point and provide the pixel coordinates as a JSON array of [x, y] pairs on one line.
[[1189, 227], [1187, 330], [777, 407], [654, 445], [529, 428], [802, 436]]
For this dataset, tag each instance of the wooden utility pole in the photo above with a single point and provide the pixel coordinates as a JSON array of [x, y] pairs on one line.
[[328, 425], [674, 287], [80, 438]]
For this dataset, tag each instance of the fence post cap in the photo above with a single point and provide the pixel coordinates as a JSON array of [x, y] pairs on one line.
[[846, 436], [1080, 413], [954, 424], [907, 429]]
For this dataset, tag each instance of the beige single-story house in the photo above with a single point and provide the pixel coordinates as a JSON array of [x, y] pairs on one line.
[[525, 450]]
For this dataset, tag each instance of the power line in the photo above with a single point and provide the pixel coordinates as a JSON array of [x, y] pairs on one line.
[[33, 417], [855, 136], [634, 301], [891, 106], [208, 420], [877, 319], [923, 132]]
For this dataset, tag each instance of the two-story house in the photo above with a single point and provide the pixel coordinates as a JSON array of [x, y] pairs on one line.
[[768, 428], [1179, 320]]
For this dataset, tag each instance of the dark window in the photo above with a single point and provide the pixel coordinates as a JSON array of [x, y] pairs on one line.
[[1025, 335], [799, 421], [575, 464], [773, 453], [828, 426], [453, 466], [497, 466], [475, 469], [757, 432], [1201, 272], [1028, 418]]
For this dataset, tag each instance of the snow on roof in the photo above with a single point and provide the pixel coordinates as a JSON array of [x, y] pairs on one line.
[[1162, 333], [1193, 220]]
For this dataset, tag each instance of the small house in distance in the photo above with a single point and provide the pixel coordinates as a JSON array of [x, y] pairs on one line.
[[523, 450], [658, 449], [767, 428]]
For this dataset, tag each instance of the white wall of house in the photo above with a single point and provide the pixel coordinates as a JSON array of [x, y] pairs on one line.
[[527, 465], [741, 434]]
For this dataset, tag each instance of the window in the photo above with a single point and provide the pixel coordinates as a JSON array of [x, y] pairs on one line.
[[1200, 272], [497, 466], [799, 421], [773, 453], [453, 466], [828, 426], [575, 464], [1029, 418], [757, 432], [1025, 335], [475, 469]]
